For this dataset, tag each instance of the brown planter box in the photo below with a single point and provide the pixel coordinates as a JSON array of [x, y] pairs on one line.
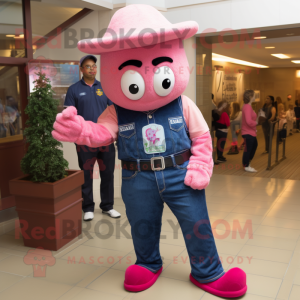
[[49, 213]]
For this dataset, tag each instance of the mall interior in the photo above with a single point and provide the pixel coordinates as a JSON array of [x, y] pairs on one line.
[[240, 45]]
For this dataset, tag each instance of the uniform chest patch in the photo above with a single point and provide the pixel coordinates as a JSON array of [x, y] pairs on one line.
[[154, 140], [99, 92]]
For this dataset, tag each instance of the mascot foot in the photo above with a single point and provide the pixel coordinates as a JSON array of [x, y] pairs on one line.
[[138, 278], [230, 285]]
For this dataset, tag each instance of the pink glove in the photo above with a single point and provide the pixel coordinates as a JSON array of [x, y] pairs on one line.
[[200, 166], [69, 127]]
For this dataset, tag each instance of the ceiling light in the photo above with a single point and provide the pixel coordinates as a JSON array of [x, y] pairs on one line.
[[269, 47], [10, 35], [290, 34], [281, 56], [296, 61], [19, 36], [260, 37], [217, 57]]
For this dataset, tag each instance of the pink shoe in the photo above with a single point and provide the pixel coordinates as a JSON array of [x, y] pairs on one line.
[[138, 278], [230, 285]]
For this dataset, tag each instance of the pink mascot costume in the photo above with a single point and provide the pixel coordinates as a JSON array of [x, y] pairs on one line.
[[163, 143]]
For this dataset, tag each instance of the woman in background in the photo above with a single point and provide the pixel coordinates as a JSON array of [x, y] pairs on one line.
[[277, 103], [270, 112], [235, 126], [290, 118], [282, 118], [249, 130], [221, 132], [297, 114]]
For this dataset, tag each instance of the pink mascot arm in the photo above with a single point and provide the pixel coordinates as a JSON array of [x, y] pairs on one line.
[[69, 127], [200, 166]]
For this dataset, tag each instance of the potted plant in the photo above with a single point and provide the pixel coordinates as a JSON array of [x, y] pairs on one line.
[[48, 198]]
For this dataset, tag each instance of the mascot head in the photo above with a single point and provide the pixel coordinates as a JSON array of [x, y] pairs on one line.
[[143, 62]]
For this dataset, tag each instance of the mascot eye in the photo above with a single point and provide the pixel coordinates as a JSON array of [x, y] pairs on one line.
[[133, 85], [163, 81]]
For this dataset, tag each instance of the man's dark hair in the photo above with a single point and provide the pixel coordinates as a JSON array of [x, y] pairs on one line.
[[87, 59]]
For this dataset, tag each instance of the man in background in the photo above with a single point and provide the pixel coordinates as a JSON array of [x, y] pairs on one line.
[[90, 101]]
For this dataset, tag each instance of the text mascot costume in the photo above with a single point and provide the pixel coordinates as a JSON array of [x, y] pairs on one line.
[[163, 142]]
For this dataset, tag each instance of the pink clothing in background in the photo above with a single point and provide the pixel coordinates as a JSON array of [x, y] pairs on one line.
[[193, 117], [248, 120], [224, 119]]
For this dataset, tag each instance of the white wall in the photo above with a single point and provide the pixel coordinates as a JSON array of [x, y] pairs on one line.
[[176, 3], [190, 50], [158, 3], [235, 14]]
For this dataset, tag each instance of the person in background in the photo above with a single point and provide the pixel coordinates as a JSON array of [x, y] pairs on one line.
[[2, 125], [215, 114], [282, 118], [297, 115], [90, 101], [270, 112], [12, 108], [277, 103], [221, 132], [235, 126], [288, 101], [249, 130], [278, 100], [290, 118]]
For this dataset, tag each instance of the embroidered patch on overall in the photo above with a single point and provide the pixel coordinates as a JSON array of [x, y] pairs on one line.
[[154, 140]]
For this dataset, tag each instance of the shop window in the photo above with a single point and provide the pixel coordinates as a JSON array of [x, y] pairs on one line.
[[10, 106], [11, 29]]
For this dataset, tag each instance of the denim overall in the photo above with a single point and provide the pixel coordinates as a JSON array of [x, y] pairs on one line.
[[145, 192]]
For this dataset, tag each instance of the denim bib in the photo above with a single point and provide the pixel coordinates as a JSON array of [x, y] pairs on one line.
[[160, 132]]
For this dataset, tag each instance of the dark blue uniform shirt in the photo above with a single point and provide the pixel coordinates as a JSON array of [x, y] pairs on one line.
[[90, 102]]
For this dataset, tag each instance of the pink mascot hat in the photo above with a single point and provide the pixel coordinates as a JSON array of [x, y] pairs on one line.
[[137, 26], [141, 33]]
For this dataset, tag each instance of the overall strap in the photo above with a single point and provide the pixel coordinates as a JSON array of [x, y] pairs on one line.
[[181, 107]]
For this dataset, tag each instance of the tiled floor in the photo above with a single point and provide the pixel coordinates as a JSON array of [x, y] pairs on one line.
[[93, 267]]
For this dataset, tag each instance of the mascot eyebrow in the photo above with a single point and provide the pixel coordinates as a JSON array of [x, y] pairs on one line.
[[161, 59], [138, 63], [131, 62]]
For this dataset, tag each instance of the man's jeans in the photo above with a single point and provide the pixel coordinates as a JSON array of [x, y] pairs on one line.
[[105, 156]]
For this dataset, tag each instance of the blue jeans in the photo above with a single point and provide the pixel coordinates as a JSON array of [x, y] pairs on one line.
[[144, 194]]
